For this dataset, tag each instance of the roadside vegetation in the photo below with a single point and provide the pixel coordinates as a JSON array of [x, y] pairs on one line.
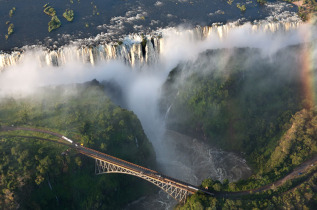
[[44, 175]]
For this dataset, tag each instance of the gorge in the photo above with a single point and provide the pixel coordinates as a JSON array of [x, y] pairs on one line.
[[203, 94]]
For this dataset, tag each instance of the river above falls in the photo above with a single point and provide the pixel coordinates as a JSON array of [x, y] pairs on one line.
[[112, 19]]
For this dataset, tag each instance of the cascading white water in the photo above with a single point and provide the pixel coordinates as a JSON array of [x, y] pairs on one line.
[[128, 52], [135, 50]]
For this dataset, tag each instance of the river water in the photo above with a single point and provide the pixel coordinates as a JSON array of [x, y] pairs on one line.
[[115, 18]]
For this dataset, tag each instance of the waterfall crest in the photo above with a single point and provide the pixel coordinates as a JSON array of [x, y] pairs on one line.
[[133, 50]]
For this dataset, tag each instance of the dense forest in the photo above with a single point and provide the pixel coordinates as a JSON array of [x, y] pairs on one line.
[[245, 101], [303, 196], [38, 174]]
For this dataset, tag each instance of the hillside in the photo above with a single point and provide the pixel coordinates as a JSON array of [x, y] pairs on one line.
[[296, 191], [43, 175], [253, 105]]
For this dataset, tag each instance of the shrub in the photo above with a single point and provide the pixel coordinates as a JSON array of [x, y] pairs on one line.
[[54, 23], [12, 11], [50, 11], [262, 2], [69, 15], [10, 29], [241, 7]]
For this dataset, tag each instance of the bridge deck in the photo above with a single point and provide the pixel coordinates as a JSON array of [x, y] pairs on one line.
[[136, 168], [154, 175]]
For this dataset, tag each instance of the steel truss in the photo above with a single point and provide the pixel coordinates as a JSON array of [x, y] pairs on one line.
[[177, 192]]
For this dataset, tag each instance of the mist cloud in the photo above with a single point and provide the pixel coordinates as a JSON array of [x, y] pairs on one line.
[[181, 44], [142, 88], [178, 45]]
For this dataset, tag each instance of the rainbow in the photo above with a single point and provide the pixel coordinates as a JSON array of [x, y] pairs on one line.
[[308, 68]]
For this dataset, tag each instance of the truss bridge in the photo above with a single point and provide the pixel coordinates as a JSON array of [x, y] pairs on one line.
[[105, 163], [108, 164]]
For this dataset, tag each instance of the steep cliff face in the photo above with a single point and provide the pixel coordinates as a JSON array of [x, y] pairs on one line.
[[134, 50]]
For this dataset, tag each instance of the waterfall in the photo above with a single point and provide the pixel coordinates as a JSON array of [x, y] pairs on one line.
[[134, 50]]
